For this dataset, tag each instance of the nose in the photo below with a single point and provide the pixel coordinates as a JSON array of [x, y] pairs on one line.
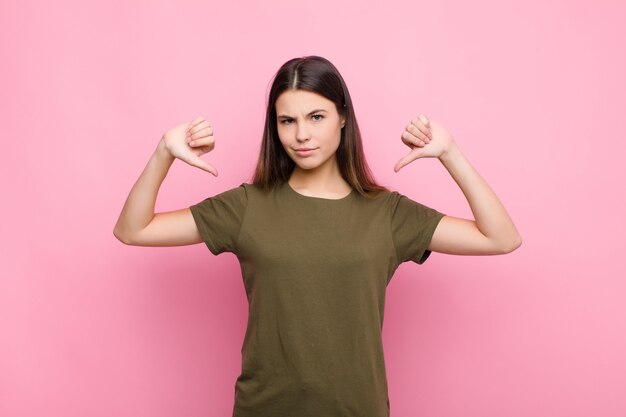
[[302, 135]]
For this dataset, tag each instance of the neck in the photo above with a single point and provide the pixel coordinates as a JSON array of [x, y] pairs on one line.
[[322, 181]]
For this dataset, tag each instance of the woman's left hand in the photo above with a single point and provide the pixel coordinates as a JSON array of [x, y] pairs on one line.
[[426, 138]]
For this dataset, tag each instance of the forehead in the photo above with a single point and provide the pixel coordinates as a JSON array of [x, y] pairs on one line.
[[301, 101]]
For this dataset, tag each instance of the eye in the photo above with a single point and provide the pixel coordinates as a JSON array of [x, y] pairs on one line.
[[318, 115], [285, 120]]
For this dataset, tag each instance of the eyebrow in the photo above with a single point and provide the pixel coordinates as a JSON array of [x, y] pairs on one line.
[[310, 113]]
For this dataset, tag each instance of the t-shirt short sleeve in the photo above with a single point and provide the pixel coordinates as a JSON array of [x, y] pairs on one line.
[[219, 219], [412, 228]]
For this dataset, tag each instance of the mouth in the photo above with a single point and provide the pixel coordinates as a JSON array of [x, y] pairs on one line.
[[304, 151]]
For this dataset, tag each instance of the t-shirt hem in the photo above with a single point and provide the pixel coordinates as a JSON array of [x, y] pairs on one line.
[[430, 231], [204, 232]]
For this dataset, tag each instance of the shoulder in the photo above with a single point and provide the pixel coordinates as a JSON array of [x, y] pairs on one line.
[[236, 196], [387, 198], [255, 191], [401, 206], [245, 189], [384, 201]]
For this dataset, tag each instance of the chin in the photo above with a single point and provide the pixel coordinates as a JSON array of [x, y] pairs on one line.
[[307, 167]]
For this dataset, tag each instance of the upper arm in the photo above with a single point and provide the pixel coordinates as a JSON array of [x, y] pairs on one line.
[[457, 236], [170, 228]]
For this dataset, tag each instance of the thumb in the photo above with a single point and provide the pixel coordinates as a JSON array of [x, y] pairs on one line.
[[203, 165], [407, 159]]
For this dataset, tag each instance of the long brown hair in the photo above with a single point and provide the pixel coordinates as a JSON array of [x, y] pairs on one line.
[[318, 75]]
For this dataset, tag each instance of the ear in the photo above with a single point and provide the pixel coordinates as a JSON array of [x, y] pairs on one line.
[[343, 122]]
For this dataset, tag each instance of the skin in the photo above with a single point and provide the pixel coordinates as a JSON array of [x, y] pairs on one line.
[[316, 174], [491, 232]]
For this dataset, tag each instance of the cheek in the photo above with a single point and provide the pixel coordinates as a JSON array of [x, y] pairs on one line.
[[284, 132], [334, 136], [281, 136]]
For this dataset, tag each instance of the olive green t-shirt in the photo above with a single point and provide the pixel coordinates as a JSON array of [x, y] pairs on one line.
[[315, 271]]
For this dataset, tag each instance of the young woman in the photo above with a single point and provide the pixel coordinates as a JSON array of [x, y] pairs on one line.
[[317, 240]]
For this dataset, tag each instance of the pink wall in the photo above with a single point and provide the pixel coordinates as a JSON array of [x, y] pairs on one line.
[[534, 94]]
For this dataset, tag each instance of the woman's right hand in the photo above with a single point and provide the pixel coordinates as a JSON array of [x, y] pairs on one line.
[[188, 141]]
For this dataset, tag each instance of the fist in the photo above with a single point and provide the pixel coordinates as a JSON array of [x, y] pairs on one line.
[[189, 141], [426, 138]]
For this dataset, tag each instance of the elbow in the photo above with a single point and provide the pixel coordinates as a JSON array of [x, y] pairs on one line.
[[511, 244], [120, 236]]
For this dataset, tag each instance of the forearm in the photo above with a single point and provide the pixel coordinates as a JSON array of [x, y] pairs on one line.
[[490, 215], [138, 209]]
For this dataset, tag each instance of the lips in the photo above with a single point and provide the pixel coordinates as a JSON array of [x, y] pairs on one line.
[[305, 151]]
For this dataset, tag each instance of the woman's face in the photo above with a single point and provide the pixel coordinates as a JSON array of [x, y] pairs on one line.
[[309, 128]]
